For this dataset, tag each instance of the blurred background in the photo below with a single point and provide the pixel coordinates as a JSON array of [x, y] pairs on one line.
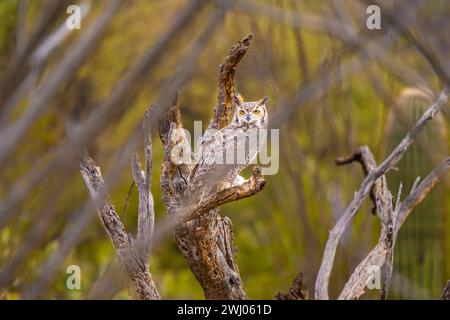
[[334, 85]]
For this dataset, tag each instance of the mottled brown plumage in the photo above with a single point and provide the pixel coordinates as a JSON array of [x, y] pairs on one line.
[[225, 153]]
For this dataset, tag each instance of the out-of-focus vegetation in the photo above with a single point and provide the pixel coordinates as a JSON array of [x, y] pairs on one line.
[[282, 230]]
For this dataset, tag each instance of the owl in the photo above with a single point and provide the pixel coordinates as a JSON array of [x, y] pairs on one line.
[[224, 153]]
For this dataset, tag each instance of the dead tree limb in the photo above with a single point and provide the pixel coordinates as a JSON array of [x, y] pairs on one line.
[[146, 214], [206, 242], [446, 292], [10, 136], [227, 86], [402, 211], [15, 69], [247, 189], [126, 87], [146, 211], [365, 157], [382, 255], [205, 238], [381, 198], [420, 192], [185, 214], [323, 277], [297, 291], [135, 263], [37, 60]]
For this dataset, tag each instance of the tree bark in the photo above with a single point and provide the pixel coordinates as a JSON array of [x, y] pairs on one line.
[[135, 263], [206, 239]]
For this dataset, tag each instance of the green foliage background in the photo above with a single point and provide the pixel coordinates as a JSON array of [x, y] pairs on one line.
[[280, 231]]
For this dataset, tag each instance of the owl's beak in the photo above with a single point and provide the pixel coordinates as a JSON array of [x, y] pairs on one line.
[[247, 117]]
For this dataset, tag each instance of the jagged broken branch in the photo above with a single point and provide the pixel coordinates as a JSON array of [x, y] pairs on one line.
[[323, 277], [134, 262]]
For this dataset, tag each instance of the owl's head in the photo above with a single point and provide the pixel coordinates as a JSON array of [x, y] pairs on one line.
[[251, 114]]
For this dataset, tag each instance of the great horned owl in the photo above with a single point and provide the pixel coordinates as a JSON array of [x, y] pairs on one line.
[[225, 153]]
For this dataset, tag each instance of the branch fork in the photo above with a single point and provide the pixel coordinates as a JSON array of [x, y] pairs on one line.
[[391, 217], [204, 238]]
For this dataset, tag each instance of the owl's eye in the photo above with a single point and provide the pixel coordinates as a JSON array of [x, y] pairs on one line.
[[256, 111], [241, 112]]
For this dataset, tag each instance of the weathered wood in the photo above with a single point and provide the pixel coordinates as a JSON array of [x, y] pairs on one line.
[[297, 290], [323, 277], [207, 241], [227, 87], [381, 197], [382, 255], [203, 236], [135, 265], [446, 292], [247, 189]]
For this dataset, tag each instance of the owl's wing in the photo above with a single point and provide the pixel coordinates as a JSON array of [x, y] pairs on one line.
[[223, 156], [255, 149], [210, 166]]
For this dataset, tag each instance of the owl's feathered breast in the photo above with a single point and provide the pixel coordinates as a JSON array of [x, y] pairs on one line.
[[223, 155]]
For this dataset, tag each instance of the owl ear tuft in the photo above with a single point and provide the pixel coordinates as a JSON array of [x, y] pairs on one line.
[[263, 101], [237, 99]]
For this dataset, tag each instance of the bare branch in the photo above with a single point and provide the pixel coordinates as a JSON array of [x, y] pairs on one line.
[[90, 128], [400, 211], [126, 86], [182, 215], [368, 52], [206, 242], [399, 194], [139, 180], [123, 243], [250, 187], [416, 196], [421, 47], [358, 281], [205, 238], [446, 292], [149, 223], [10, 136], [224, 106], [420, 192], [380, 195], [379, 192], [173, 177], [96, 186], [321, 289], [146, 214], [297, 290], [48, 46], [16, 68], [383, 254], [22, 10], [37, 60]]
